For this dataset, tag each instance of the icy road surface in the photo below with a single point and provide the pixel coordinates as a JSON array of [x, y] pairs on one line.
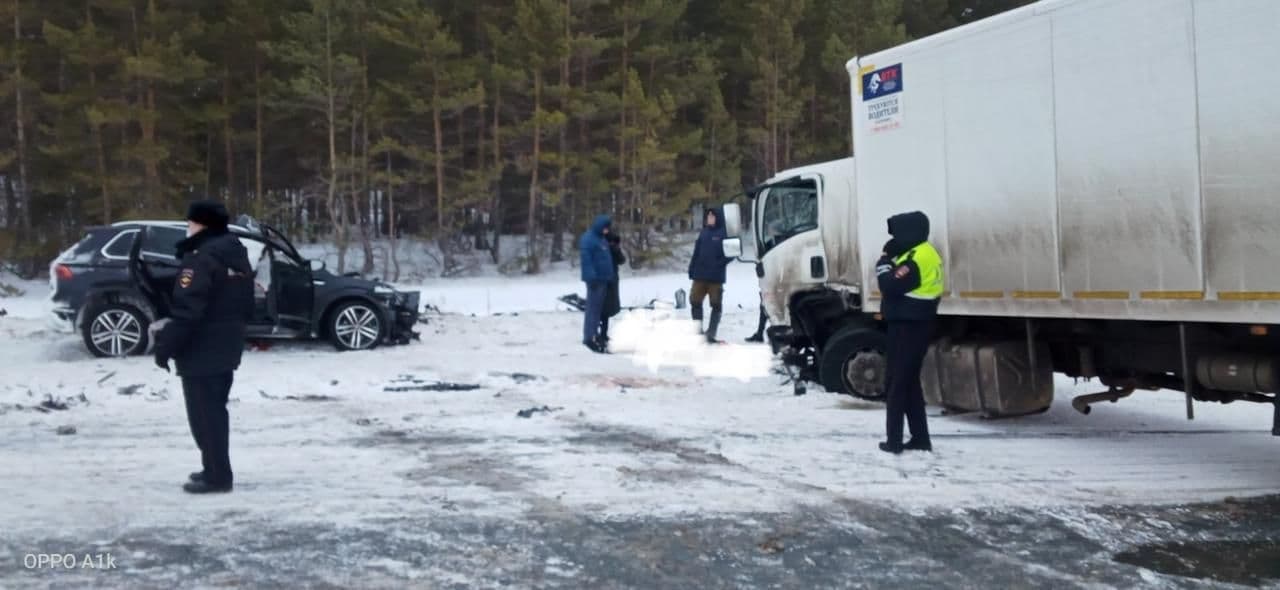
[[665, 465]]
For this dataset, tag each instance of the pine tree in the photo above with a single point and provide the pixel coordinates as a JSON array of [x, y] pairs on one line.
[[325, 81], [778, 96], [159, 71], [367, 117], [542, 46], [441, 84]]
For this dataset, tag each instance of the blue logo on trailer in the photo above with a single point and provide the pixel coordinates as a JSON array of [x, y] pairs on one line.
[[882, 82]]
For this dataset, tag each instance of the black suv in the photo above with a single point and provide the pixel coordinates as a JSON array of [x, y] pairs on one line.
[[118, 279]]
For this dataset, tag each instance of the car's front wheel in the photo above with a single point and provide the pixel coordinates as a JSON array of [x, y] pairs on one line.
[[355, 325], [115, 330]]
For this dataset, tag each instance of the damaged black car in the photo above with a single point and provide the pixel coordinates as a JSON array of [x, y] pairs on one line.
[[118, 279]]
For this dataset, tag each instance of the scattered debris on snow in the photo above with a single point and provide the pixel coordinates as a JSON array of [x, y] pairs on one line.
[[438, 386], [66, 430], [773, 546], [528, 413], [310, 397], [52, 403], [130, 389], [519, 378]]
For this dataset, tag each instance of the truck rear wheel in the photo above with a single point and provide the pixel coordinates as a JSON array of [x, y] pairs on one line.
[[854, 363]]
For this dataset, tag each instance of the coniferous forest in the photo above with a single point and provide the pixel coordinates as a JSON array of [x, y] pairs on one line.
[[362, 122]]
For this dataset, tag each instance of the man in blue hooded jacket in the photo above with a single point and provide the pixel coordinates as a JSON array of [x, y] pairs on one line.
[[707, 271], [597, 272]]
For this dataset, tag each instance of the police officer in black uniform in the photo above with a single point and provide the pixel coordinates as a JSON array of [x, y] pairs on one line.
[[205, 334], [910, 276]]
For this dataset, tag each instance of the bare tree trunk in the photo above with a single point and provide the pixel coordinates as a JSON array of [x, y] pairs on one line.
[[335, 208], [583, 143], [24, 189], [438, 132], [10, 202], [228, 150], [96, 130], [391, 226], [626, 79], [350, 205], [481, 163], [208, 159], [775, 92], [566, 85], [257, 128], [151, 170], [532, 229], [366, 241], [499, 170]]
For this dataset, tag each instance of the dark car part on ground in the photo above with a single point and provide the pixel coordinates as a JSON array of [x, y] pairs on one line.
[[577, 302], [528, 413], [117, 280], [441, 386]]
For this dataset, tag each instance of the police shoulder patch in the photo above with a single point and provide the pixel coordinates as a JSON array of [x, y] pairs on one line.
[[184, 279]]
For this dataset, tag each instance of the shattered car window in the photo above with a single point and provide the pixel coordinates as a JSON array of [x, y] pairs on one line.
[[788, 211]]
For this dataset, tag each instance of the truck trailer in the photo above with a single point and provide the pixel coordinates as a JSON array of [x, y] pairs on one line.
[[1103, 182]]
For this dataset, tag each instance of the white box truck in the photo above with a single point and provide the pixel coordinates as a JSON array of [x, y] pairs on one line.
[[1103, 182]]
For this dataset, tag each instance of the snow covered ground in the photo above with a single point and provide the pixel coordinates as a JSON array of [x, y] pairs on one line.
[[667, 464]]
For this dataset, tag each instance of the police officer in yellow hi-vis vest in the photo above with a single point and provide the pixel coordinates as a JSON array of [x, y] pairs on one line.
[[910, 277]]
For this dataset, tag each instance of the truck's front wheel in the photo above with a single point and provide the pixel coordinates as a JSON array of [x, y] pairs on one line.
[[853, 362]]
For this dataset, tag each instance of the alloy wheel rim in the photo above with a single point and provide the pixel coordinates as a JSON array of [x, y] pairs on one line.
[[116, 333], [357, 327]]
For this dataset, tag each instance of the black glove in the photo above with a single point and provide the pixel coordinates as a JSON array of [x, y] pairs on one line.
[[893, 248], [163, 363]]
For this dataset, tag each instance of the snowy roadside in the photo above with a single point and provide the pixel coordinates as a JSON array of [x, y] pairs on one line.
[[356, 440]]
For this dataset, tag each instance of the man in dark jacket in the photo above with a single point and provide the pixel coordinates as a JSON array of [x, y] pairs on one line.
[[909, 273], [205, 333], [707, 271], [612, 297], [597, 272]]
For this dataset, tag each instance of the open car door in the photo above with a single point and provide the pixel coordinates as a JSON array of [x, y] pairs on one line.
[[152, 275], [292, 284]]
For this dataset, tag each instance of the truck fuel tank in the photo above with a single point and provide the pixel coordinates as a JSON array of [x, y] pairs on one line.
[[997, 379]]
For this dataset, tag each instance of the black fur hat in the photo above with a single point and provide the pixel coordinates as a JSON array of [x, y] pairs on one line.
[[211, 214]]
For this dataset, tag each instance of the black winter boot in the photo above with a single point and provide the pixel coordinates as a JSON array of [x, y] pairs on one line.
[[713, 325], [918, 445], [204, 487], [759, 335]]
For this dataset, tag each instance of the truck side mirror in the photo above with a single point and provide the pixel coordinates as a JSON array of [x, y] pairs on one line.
[[732, 248], [733, 220], [316, 265]]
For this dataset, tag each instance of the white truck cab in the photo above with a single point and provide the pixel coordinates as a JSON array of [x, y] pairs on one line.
[[802, 230]]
